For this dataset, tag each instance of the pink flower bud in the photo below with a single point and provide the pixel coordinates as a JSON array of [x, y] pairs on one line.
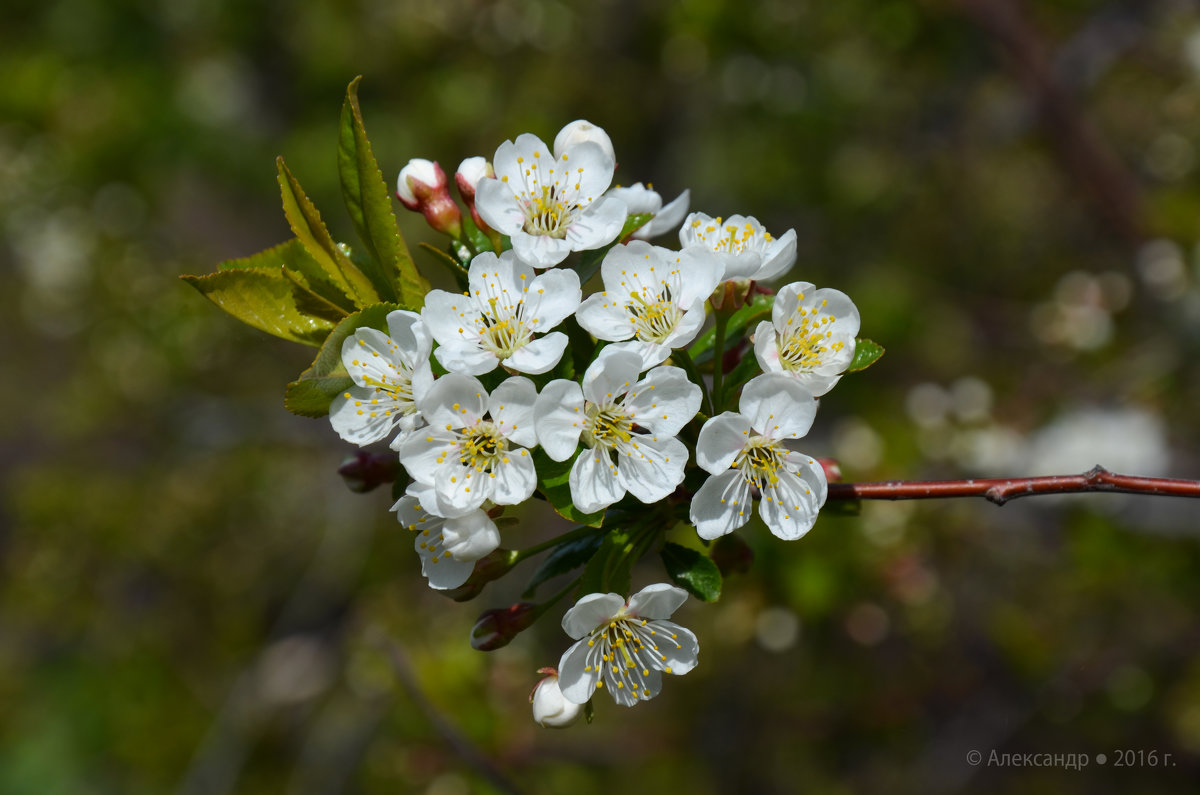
[[833, 470], [422, 187], [496, 628], [470, 171], [365, 471], [550, 708]]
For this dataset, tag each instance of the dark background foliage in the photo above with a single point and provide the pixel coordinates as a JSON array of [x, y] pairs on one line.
[[190, 599]]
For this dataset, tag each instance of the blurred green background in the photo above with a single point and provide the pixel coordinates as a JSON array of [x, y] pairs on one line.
[[191, 600]]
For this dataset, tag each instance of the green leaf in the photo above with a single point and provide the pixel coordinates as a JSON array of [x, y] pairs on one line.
[[754, 311], [866, 353], [391, 270], [692, 571], [565, 557], [311, 394], [590, 261], [263, 299], [553, 482], [310, 230], [609, 570]]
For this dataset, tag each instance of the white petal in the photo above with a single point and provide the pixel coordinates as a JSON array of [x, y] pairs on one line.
[[701, 272], [594, 481], [540, 251], [558, 418], [454, 400], [462, 488], [599, 224], [465, 359], [497, 278], [664, 401], [357, 421], [552, 297], [450, 317], [590, 170], [576, 684], [651, 353], [610, 376], [720, 441], [780, 257], [498, 206], [411, 335], [688, 327], [638, 199], [589, 613], [787, 301], [470, 537], [540, 355], [443, 571], [422, 453], [766, 348], [679, 646], [656, 601], [515, 479], [722, 505], [369, 356], [665, 219], [511, 408], [778, 406], [650, 468], [789, 507], [604, 318]]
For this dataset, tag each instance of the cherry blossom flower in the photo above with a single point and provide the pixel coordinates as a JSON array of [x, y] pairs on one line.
[[747, 250], [625, 647], [635, 422], [448, 547], [642, 199], [810, 336], [747, 456], [652, 297], [496, 321], [475, 446], [391, 374], [551, 204]]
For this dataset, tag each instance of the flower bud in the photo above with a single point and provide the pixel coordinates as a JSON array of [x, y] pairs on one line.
[[422, 187], [550, 708], [581, 131], [470, 171], [490, 567], [495, 629], [833, 470], [365, 471]]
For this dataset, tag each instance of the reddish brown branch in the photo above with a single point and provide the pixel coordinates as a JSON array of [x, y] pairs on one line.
[[1001, 490]]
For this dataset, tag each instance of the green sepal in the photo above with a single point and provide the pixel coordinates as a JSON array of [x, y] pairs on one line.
[[565, 557], [391, 269], [590, 261], [310, 230], [265, 300], [609, 570], [866, 353], [692, 571], [553, 482], [757, 309], [311, 394]]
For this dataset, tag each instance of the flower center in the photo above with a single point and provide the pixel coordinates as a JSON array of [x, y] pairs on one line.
[[502, 330], [397, 387], [760, 461], [549, 214], [653, 321], [802, 347], [482, 447], [606, 427], [730, 238], [628, 652]]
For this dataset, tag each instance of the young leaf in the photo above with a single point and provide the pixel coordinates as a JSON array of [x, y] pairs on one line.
[[565, 557], [590, 261], [692, 571], [553, 477], [866, 353], [311, 394], [295, 260], [263, 299], [310, 230], [391, 269]]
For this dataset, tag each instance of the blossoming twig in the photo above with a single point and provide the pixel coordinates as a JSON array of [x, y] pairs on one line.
[[1001, 490]]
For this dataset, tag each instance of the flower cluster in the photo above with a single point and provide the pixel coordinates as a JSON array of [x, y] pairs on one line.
[[632, 386]]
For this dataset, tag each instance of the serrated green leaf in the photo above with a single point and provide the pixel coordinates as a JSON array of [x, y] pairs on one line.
[[754, 311], [310, 230], [553, 477], [391, 269], [565, 557], [866, 353], [262, 299], [609, 570], [311, 394], [301, 268], [590, 261], [692, 571]]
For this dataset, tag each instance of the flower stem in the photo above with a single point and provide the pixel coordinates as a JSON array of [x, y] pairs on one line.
[[718, 361]]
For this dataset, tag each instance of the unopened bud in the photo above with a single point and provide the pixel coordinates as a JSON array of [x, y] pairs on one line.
[[470, 171], [833, 470], [581, 131], [490, 567], [422, 187], [365, 471], [731, 554], [495, 629], [550, 708]]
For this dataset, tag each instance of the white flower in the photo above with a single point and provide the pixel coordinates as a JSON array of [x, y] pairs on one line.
[[391, 374], [636, 422], [747, 250], [640, 199], [448, 547], [496, 320], [652, 295], [550, 709], [810, 336], [745, 453], [474, 448], [551, 204], [625, 646]]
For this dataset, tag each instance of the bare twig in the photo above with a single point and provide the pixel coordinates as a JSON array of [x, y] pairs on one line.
[[1001, 490]]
